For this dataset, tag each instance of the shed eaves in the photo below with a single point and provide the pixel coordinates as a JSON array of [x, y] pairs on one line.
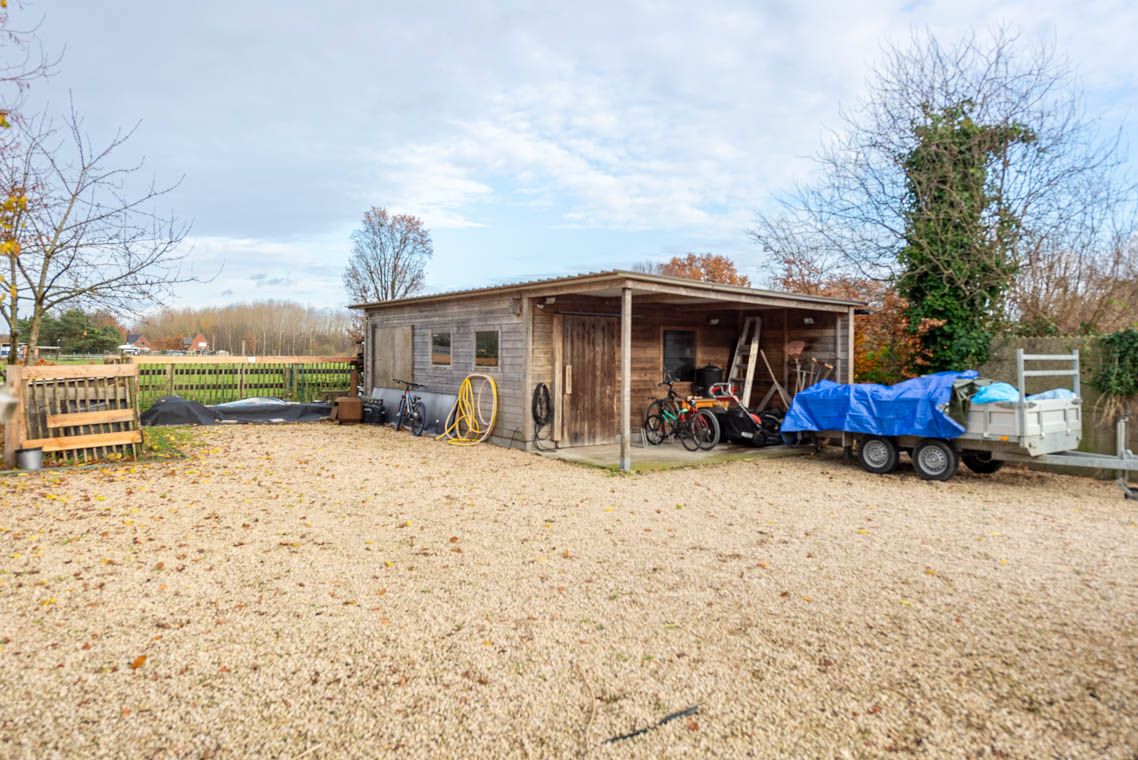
[[615, 275]]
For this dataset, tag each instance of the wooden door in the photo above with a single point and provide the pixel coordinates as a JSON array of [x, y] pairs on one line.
[[591, 367], [391, 356]]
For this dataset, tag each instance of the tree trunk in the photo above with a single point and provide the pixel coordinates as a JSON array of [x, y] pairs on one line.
[[32, 354]]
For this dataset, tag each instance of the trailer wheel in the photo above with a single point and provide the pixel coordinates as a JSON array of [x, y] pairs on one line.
[[877, 455], [981, 462], [935, 460]]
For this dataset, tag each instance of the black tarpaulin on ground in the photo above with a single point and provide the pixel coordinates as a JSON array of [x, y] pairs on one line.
[[175, 410]]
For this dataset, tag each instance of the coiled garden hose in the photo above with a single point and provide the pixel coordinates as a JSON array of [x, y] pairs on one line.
[[542, 409], [467, 423]]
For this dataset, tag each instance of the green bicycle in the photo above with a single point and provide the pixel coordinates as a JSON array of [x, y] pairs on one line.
[[676, 417]]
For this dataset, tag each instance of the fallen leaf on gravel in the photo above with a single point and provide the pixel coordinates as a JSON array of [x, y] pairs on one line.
[[906, 603], [565, 554], [454, 539], [873, 710], [138, 662], [930, 571], [785, 594], [693, 726], [763, 565], [48, 602], [1003, 562], [862, 532]]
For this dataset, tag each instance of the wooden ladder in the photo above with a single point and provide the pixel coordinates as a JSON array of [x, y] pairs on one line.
[[742, 372]]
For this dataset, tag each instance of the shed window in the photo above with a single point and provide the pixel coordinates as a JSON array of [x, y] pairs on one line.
[[486, 348], [440, 348], [679, 354]]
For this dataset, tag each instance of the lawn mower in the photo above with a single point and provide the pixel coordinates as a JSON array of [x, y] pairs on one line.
[[739, 424]]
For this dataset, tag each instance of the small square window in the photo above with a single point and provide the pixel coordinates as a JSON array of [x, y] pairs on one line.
[[486, 348], [679, 354], [440, 349]]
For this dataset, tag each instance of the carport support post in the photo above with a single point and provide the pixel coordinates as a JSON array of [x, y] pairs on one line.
[[625, 379]]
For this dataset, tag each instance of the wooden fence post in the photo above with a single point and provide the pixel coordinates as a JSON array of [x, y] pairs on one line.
[[14, 428]]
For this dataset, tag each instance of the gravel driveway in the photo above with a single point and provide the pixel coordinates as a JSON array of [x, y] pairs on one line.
[[317, 591]]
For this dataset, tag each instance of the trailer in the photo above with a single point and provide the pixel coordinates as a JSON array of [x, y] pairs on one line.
[[1027, 431]]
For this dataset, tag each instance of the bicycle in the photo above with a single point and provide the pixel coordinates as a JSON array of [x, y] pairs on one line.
[[676, 417], [411, 409]]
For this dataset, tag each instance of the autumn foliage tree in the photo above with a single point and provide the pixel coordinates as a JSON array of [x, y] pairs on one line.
[[704, 267]]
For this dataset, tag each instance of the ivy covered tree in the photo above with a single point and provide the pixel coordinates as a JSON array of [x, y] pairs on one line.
[[958, 260], [972, 183]]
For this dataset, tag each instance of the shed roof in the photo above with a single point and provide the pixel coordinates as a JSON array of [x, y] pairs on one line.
[[596, 283]]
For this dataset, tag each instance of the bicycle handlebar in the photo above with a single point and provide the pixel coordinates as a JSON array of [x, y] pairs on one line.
[[408, 383]]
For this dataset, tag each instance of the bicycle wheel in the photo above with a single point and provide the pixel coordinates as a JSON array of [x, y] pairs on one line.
[[419, 419], [686, 431], [654, 430], [708, 435]]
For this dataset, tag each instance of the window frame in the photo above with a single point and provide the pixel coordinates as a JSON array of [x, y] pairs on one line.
[[474, 352], [695, 349], [450, 349]]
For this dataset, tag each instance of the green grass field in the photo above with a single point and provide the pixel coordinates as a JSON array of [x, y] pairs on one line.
[[219, 383]]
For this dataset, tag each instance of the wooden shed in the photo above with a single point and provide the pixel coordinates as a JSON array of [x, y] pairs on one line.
[[600, 341]]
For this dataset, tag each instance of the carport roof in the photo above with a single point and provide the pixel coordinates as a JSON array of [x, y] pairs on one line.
[[610, 283]]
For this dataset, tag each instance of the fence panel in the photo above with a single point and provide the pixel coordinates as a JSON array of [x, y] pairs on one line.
[[218, 379], [77, 413]]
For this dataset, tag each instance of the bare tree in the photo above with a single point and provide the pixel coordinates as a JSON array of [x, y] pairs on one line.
[[282, 327], [389, 257], [87, 232], [22, 61], [1055, 192]]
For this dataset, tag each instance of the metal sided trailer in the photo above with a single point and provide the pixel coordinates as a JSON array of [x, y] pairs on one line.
[[1039, 431]]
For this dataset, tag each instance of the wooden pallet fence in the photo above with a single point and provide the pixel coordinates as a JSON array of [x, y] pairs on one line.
[[219, 379], [75, 413]]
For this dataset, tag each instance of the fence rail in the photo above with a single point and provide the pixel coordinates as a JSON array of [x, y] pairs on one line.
[[218, 379]]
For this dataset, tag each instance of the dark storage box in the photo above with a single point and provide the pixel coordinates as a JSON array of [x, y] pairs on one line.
[[705, 377]]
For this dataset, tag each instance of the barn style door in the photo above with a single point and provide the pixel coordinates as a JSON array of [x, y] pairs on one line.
[[591, 376], [391, 356]]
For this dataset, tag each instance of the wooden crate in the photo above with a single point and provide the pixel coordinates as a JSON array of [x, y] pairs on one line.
[[80, 413]]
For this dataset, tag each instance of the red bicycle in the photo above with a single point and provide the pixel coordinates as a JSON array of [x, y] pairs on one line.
[[676, 417]]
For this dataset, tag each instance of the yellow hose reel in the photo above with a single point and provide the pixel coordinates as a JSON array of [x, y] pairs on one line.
[[470, 421]]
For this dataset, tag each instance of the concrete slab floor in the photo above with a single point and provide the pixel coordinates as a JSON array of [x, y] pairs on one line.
[[668, 455]]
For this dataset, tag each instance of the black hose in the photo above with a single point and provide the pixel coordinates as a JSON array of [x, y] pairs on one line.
[[542, 409]]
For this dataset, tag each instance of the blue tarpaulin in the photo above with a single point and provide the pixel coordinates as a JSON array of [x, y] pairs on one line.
[[908, 408]]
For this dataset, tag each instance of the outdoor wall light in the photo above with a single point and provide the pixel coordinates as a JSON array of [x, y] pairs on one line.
[[713, 321], [808, 320]]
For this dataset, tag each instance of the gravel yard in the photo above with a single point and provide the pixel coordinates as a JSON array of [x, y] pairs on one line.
[[317, 591]]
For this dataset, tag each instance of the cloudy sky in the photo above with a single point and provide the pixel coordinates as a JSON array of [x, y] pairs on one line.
[[535, 139]]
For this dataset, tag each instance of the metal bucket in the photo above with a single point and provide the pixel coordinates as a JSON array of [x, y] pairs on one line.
[[29, 459]]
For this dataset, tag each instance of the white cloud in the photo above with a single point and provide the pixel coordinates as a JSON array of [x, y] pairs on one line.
[[509, 127]]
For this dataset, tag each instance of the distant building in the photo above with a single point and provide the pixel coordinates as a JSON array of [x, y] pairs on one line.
[[195, 345], [139, 341]]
